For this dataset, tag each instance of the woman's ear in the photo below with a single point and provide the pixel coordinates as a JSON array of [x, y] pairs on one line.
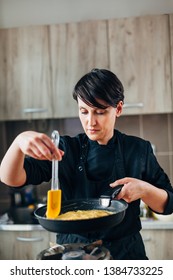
[[119, 108]]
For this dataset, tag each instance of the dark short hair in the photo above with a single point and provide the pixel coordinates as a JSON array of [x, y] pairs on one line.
[[99, 84]]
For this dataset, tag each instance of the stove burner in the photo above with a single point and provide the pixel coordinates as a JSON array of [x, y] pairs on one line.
[[74, 255], [76, 251]]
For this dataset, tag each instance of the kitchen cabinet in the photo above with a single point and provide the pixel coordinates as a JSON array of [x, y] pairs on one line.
[[25, 86], [140, 55], [40, 65], [24, 245], [157, 243], [75, 49], [171, 46]]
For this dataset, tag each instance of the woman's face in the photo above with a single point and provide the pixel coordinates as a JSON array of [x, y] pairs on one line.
[[97, 123]]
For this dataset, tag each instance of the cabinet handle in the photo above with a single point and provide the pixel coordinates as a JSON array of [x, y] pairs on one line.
[[133, 105], [29, 239], [34, 110], [147, 239]]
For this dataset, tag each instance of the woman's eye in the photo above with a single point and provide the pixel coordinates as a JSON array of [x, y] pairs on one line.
[[100, 112], [84, 112]]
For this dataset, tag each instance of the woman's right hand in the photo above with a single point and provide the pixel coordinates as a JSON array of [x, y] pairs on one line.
[[33, 144], [38, 145]]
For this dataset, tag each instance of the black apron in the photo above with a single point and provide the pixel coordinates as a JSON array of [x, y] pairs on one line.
[[124, 248]]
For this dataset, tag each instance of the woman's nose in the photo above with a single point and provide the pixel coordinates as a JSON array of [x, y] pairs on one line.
[[91, 120]]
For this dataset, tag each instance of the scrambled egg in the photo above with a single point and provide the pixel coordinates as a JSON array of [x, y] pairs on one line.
[[83, 214]]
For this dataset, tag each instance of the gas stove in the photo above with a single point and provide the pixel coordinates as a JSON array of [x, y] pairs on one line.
[[76, 251]]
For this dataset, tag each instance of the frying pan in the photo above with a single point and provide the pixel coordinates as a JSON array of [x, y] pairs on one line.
[[118, 207]]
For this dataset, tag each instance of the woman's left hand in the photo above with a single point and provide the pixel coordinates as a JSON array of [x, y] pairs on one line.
[[133, 189]]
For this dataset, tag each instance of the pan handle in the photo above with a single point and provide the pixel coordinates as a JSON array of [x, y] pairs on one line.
[[105, 200], [116, 191]]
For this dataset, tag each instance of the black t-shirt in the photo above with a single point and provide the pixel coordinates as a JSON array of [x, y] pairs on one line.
[[98, 156]]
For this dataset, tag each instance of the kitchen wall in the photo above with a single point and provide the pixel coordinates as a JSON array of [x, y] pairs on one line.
[[157, 128], [15, 13]]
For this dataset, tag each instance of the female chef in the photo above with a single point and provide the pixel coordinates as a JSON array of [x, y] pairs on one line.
[[94, 162]]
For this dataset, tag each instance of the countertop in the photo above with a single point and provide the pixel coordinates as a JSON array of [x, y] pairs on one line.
[[146, 225], [156, 224]]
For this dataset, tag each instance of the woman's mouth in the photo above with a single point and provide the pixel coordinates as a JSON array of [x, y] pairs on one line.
[[93, 131]]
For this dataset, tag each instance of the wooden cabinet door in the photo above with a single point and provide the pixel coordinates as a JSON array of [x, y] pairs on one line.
[[23, 245], [140, 56], [157, 244], [171, 43], [25, 88], [75, 49]]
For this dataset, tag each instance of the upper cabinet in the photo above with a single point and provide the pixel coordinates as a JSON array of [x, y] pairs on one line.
[[40, 65], [171, 44], [140, 56], [25, 86], [75, 49]]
